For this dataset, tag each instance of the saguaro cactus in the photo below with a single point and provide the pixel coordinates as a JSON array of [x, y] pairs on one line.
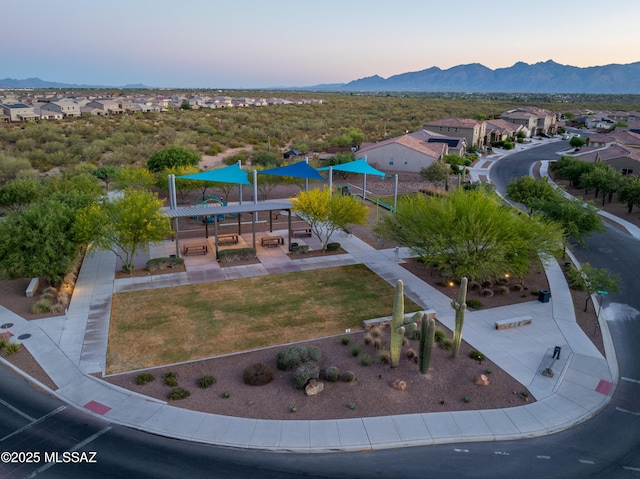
[[460, 305], [400, 324], [427, 338]]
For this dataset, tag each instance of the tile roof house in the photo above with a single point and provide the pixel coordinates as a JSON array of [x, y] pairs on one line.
[[623, 159], [403, 154], [473, 131], [618, 137], [536, 120], [455, 144], [500, 130], [107, 106], [65, 106]]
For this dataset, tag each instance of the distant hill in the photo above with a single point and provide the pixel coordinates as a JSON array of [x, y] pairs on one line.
[[542, 77], [11, 83]]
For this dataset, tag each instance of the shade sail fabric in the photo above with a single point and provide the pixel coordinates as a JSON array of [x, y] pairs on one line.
[[358, 166], [297, 170], [228, 174]]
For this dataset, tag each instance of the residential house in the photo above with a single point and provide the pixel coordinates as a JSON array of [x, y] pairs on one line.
[[500, 130], [625, 138], [402, 154], [455, 144], [623, 159], [535, 120], [65, 106], [473, 131], [106, 106], [19, 112], [47, 114]]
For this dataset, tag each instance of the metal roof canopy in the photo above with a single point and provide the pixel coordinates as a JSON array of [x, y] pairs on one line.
[[187, 211]]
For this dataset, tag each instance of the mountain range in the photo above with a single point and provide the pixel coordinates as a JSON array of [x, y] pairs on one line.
[[541, 77]]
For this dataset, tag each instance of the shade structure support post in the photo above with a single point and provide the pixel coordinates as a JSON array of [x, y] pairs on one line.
[[239, 186], [289, 227], [331, 179], [255, 193], [175, 235], [306, 180], [253, 231], [395, 192], [215, 232]]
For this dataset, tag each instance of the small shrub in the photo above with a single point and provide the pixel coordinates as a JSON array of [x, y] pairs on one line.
[[516, 287], [355, 349], [486, 292], [333, 246], [502, 290], [289, 358], [487, 283], [348, 377], [156, 264], [474, 286], [3, 343], [466, 399], [351, 405], [311, 353], [11, 348], [384, 357], [257, 374], [367, 338], [488, 371], [410, 354], [474, 303], [345, 340], [376, 331], [304, 373], [377, 343], [178, 393], [206, 381], [502, 281], [293, 409], [440, 336], [41, 306], [144, 378], [225, 395], [332, 374], [364, 359], [405, 341], [442, 283], [236, 254], [476, 355], [170, 378], [447, 345]]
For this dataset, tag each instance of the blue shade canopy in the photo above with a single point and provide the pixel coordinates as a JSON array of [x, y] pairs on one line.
[[358, 166], [297, 170], [228, 174]]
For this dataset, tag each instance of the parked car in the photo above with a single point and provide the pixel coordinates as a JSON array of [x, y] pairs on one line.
[[565, 137]]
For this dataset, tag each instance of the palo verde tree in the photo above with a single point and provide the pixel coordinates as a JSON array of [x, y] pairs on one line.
[[603, 179], [592, 280], [629, 192], [124, 225], [470, 233], [327, 213]]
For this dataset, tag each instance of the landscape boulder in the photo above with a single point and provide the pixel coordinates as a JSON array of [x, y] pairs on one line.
[[313, 387], [482, 380]]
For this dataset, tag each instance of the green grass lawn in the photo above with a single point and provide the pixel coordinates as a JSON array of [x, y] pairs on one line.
[[169, 325]]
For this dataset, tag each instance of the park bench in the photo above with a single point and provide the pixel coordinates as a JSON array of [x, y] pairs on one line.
[[33, 287], [301, 233], [228, 238], [195, 249], [513, 322]]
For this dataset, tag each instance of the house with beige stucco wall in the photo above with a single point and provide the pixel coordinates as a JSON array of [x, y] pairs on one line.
[[623, 159], [404, 154], [474, 131]]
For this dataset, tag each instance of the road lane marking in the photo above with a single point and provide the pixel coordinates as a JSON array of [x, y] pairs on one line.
[[627, 411], [16, 410], [501, 453], [630, 380], [543, 457], [74, 448], [629, 468], [461, 450], [18, 431], [586, 461]]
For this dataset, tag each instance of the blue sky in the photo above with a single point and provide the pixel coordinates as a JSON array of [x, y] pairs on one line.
[[257, 43]]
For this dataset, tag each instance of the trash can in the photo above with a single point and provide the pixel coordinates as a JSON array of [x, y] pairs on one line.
[[543, 296]]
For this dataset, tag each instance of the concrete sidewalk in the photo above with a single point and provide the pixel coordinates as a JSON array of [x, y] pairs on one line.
[[69, 348]]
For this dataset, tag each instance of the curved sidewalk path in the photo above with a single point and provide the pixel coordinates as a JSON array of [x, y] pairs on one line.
[[70, 348]]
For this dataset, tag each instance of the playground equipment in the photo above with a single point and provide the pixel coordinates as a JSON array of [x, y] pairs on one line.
[[208, 200], [344, 190]]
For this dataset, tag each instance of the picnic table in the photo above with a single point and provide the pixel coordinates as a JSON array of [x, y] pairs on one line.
[[271, 241], [195, 249]]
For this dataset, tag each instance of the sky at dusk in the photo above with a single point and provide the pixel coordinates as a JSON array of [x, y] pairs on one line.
[[284, 43]]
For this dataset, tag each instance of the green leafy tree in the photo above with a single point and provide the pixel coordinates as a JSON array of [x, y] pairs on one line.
[[183, 186], [527, 189], [470, 233], [133, 177], [603, 179], [348, 138], [577, 219], [571, 169], [592, 280], [629, 192], [106, 174], [437, 172], [341, 158], [266, 159], [577, 142], [125, 225], [37, 241], [326, 213], [172, 157], [21, 192], [12, 167]]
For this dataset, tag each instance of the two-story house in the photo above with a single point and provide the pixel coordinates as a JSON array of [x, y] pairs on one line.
[[19, 112], [473, 131], [65, 106]]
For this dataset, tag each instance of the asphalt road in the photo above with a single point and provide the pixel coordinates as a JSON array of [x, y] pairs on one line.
[[607, 446]]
